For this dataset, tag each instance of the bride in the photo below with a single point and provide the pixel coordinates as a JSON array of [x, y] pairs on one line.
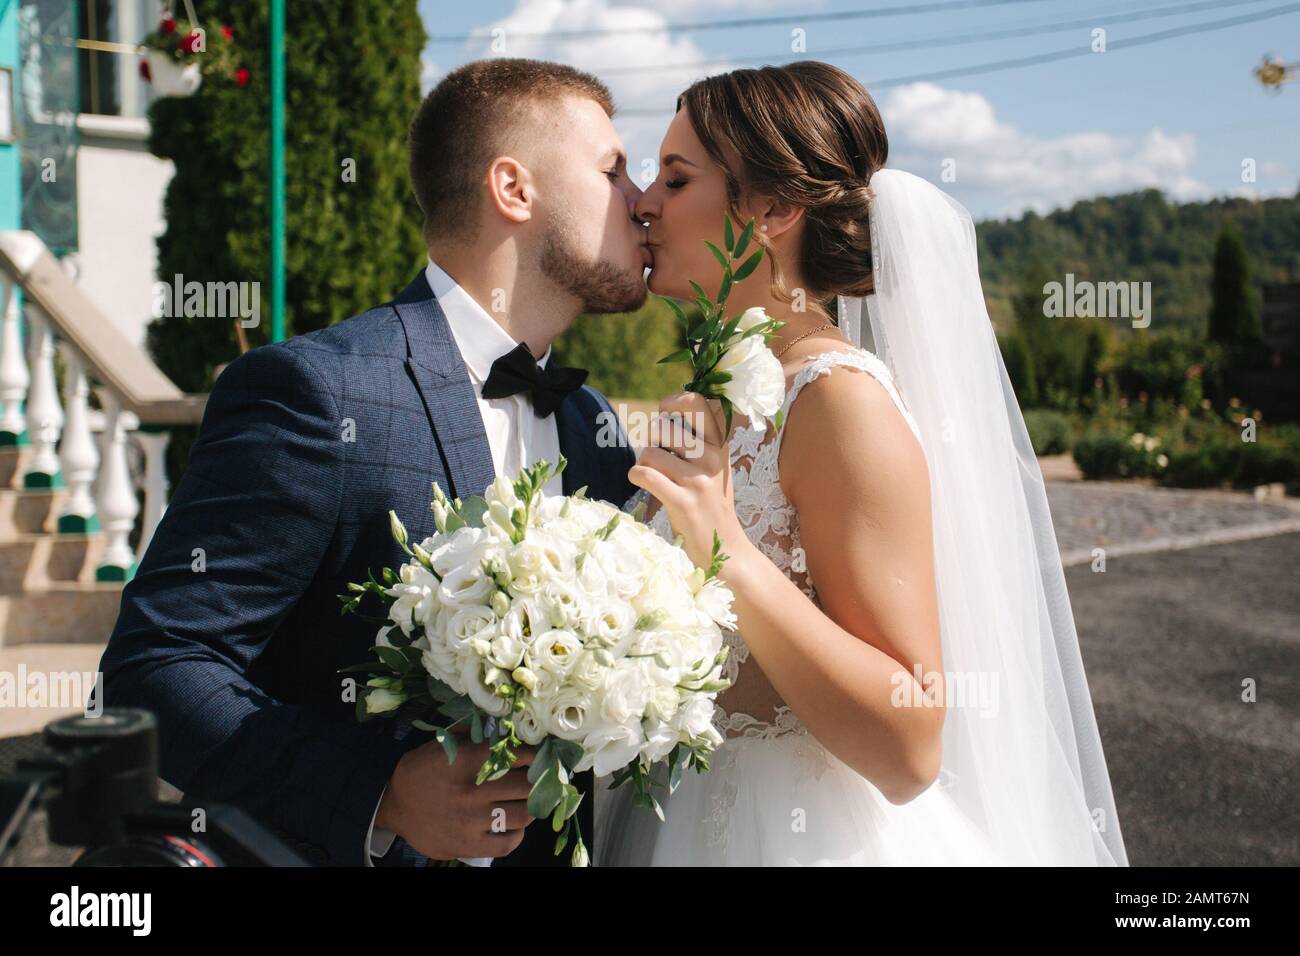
[[907, 686]]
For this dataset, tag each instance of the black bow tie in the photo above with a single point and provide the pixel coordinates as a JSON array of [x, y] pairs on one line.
[[517, 371]]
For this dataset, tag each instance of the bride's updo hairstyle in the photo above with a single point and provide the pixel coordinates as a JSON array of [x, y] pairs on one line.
[[810, 135]]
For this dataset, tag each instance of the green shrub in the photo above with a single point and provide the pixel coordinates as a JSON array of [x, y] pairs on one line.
[[1118, 454], [1049, 431], [1207, 465], [1100, 455]]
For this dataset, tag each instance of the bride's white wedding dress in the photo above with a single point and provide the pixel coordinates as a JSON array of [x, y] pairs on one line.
[[774, 796]]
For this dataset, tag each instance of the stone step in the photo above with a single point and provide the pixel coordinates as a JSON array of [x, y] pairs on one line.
[[35, 561], [70, 613], [13, 462], [29, 511]]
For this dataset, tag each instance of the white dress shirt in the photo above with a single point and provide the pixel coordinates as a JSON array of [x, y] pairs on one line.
[[516, 436]]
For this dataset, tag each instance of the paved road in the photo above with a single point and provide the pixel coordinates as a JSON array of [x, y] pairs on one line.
[[1200, 777]]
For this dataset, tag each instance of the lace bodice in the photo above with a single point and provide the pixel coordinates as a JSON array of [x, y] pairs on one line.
[[751, 707]]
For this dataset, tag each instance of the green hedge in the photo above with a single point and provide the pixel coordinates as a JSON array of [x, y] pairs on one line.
[[1049, 431]]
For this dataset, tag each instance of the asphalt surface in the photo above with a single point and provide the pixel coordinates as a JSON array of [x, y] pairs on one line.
[[1200, 776]]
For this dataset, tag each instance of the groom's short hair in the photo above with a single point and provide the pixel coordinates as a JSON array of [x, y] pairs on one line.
[[469, 118]]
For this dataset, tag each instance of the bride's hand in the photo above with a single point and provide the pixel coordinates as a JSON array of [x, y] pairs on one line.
[[687, 466]]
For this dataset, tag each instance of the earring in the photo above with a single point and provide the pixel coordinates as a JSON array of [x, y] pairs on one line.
[[763, 228]]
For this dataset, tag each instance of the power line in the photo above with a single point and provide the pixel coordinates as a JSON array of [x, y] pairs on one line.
[[939, 6], [1052, 56], [1169, 34], [958, 39]]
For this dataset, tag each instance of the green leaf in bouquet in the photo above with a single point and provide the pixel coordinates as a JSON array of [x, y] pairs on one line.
[[449, 745], [778, 418], [394, 659], [681, 355], [476, 727], [454, 522], [473, 510], [748, 266], [728, 235], [458, 708], [729, 329], [561, 841], [724, 289], [699, 290], [567, 806], [727, 411], [719, 255], [741, 244], [389, 575], [546, 793], [680, 313], [568, 752], [440, 691], [544, 760]]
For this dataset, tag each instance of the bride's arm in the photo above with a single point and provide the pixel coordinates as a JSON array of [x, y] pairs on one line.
[[857, 477]]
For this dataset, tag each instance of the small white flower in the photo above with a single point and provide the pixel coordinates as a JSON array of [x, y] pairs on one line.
[[757, 386]]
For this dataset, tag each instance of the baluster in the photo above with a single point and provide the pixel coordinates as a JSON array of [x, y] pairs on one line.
[[117, 504], [13, 373], [154, 444], [44, 414], [78, 456]]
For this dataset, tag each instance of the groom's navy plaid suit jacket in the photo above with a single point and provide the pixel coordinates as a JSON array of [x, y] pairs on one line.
[[230, 631]]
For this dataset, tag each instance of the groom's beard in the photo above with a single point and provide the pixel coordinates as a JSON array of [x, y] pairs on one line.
[[600, 286]]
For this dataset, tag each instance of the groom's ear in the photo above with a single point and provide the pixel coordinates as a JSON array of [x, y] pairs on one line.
[[510, 189]]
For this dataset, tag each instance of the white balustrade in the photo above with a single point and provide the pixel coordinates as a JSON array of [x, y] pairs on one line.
[[96, 480], [78, 456], [116, 503], [13, 373], [44, 413], [154, 446]]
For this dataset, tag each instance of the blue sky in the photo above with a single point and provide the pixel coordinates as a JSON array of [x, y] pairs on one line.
[[1181, 114]]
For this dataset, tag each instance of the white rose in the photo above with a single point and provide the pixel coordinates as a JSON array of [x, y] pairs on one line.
[[623, 695], [554, 654], [714, 600], [529, 726], [757, 386], [507, 652], [610, 748], [695, 718], [484, 697], [416, 596], [660, 739], [466, 586], [567, 713], [457, 627], [749, 319]]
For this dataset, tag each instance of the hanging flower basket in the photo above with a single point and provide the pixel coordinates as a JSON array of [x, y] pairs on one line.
[[170, 77], [180, 53]]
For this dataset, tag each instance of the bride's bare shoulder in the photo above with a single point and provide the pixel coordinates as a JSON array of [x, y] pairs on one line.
[[846, 423]]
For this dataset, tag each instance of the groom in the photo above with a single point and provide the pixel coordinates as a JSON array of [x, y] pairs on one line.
[[230, 631]]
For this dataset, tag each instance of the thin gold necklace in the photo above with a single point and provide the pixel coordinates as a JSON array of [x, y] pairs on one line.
[[799, 338]]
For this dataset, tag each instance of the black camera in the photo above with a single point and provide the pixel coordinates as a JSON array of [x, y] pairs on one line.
[[97, 780]]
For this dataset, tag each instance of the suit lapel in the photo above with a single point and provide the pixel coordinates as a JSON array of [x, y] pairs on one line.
[[444, 384]]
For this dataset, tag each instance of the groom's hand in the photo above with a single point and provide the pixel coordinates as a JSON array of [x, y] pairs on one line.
[[436, 807]]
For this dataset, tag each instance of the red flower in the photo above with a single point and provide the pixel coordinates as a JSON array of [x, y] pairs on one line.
[[241, 76], [168, 25], [226, 32], [144, 71], [190, 44]]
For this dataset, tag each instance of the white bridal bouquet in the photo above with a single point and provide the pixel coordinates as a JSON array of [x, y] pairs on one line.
[[552, 620]]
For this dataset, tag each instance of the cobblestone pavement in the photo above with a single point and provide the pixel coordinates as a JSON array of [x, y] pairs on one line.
[[1124, 516]]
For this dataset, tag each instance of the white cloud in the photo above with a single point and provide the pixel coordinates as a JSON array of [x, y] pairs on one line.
[[1002, 170]]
